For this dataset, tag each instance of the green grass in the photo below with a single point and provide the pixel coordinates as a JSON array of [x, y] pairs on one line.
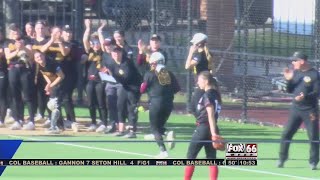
[[296, 168]]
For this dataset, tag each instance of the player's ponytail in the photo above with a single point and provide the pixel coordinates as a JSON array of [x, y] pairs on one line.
[[209, 57]]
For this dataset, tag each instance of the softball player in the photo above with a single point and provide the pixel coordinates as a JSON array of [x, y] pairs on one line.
[[207, 111], [95, 87], [303, 83], [125, 72], [161, 86], [199, 59], [53, 76], [20, 78]]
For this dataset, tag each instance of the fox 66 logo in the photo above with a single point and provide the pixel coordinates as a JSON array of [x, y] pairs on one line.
[[241, 149]]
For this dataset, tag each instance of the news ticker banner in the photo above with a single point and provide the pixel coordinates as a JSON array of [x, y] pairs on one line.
[[239, 154], [128, 162]]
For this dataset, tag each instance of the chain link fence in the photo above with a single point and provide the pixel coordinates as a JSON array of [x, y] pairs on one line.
[[251, 39]]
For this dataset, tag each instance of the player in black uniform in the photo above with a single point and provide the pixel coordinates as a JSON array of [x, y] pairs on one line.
[[53, 76], [58, 50], [70, 65], [20, 78], [125, 72], [207, 111], [161, 86], [42, 99], [199, 59], [3, 81], [95, 87], [303, 82]]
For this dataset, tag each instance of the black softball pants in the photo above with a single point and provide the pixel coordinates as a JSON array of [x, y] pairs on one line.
[[128, 102], [96, 97], [112, 92], [20, 80], [159, 111], [201, 133], [310, 118]]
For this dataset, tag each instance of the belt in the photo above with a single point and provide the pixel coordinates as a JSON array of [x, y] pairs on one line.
[[16, 65]]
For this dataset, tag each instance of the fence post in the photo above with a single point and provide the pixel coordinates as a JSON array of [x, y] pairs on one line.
[[153, 16], [244, 117], [78, 20], [189, 84]]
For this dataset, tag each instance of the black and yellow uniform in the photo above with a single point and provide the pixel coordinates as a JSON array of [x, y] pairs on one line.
[[127, 74], [161, 87], [50, 70], [202, 65], [3, 84], [20, 80], [306, 110], [40, 82], [95, 87], [202, 132]]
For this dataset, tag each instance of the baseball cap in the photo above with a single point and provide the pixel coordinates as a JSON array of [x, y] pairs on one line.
[[299, 55], [108, 41], [13, 27], [66, 28], [198, 37], [155, 37]]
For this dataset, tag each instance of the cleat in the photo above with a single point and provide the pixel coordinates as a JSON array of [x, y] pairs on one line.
[[53, 130], [16, 126], [313, 166], [29, 126], [170, 138], [280, 164], [101, 129], [75, 127], [92, 128], [110, 129], [131, 135], [162, 155]]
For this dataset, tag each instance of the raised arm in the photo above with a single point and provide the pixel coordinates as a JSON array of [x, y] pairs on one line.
[[86, 34], [100, 34]]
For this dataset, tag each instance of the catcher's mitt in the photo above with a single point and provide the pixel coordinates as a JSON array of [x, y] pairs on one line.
[[218, 143]]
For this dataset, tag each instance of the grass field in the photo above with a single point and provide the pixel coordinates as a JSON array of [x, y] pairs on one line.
[[296, 168]]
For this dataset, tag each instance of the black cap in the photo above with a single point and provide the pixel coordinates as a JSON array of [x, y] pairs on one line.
[[299, 55], [155, 37], [13, 27], [66, 28]]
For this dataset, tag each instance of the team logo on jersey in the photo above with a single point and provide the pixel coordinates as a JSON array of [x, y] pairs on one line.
[[164, 77], [307, 79], [121, 72]]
